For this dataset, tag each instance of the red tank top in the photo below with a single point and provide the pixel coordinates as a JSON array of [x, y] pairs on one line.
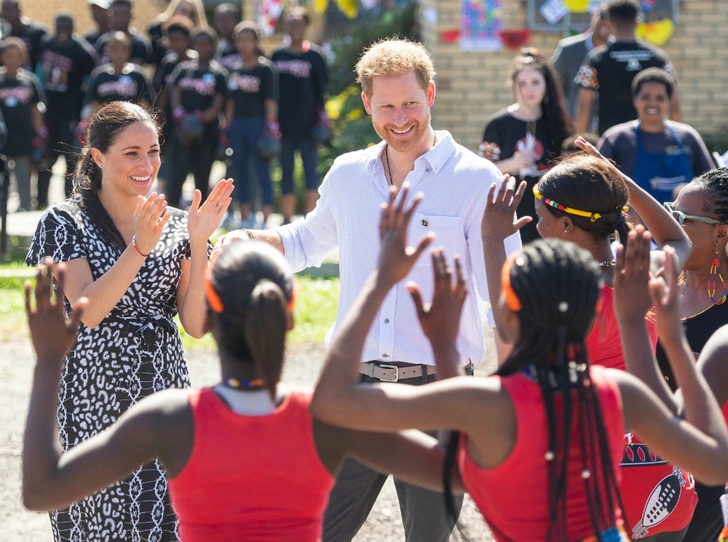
[[513, 497], [252, 478], [657, 497]]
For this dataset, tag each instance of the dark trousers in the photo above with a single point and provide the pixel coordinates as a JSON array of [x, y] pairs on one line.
[[61, 130], [198, 158], [244, 133], [307, 147], [357, 488]]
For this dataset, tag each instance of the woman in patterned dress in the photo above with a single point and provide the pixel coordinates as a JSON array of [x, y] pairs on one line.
[[139, 262]]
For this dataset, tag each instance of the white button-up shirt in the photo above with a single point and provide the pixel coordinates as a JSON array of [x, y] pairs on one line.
[[455, 184]]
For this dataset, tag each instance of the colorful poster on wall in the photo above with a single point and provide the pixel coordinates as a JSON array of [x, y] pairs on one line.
[[481, 22]]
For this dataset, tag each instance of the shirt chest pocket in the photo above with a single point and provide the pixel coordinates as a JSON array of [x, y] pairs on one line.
[[448, 234]]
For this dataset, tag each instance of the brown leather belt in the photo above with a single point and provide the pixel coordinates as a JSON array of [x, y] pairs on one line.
[[392, 373]]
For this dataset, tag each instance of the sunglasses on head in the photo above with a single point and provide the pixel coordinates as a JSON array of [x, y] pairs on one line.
[[681, 217]]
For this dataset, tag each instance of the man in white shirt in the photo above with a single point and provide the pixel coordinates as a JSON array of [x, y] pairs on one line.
[[398, 90]]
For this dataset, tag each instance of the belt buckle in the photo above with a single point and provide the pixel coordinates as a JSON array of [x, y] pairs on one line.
[[396, 373]]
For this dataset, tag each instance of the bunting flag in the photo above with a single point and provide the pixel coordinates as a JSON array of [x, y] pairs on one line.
[[269, 11]]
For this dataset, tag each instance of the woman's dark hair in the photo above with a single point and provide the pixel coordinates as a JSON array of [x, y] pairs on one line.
[[559, 286], [714, 184], [203, 32], [588, 184], [653, 75], [104, 128], [255, 284], [553, 105]]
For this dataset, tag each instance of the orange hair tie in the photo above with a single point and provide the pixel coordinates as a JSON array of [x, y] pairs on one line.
[[512, 301], [294, 295], [213, 299]]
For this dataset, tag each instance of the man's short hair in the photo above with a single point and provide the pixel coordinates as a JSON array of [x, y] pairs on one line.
[[64, 15], [623, 12], [392, 57], [653, 75]]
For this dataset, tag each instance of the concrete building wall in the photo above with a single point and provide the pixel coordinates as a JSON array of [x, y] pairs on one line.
[[473, 85]]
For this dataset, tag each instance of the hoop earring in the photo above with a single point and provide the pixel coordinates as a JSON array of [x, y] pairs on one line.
[[712, 280]]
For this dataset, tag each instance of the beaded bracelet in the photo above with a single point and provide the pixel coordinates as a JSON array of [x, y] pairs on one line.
[[134, 244]]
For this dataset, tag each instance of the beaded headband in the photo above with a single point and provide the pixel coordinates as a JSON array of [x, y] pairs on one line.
[[551, 203], [512, 301]]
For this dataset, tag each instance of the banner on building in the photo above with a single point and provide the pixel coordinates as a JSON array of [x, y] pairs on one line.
[[481, 24]]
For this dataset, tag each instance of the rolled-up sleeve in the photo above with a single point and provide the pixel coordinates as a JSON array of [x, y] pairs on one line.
[[307, 241]]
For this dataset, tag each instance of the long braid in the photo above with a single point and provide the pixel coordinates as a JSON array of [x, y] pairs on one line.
[[559, 285]]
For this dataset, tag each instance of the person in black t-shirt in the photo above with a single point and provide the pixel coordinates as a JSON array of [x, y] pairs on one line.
[[120, 16], [226, 18], [251, 112], [197, 92], [119, 80], [100, 15], [702, 208], [525, 138], [611, 68], [303, 76], [31, 32], [190, 9], [65, 62], [177, 32], [21, 95]]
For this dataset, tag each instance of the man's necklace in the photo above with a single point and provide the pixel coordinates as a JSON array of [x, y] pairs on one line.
[[390, 179]]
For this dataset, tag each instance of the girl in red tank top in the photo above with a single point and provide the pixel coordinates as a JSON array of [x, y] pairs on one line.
[[542, 440], [245, 459]]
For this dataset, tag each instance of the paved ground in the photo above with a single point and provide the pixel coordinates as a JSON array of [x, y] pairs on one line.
[[302, 366]]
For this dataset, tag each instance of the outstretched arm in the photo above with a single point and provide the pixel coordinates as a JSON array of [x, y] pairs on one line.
[[497, 225], [53, 480], [664, 229]]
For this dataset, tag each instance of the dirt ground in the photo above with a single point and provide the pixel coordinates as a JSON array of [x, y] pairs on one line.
[[302, 367]]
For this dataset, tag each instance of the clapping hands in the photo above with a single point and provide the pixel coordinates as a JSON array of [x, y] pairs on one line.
[[203, 220]]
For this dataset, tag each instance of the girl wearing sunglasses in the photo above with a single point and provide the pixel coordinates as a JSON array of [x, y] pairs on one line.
[[701, 209]]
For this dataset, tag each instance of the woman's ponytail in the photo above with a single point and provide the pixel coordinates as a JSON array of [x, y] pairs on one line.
[[265, 331]]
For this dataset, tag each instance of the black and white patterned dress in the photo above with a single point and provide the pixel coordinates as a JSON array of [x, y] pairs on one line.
[[134, 352]]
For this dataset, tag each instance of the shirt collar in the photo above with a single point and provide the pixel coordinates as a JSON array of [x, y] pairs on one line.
[[436, 157]]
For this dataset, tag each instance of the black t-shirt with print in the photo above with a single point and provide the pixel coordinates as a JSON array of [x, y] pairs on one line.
[[131, 85], [226, 54], [141, 50], [32, 33], [199, 86], [18, 95], [610, 69], [302, 78], [250, 87], [65, 67], [510, 135], [162, 76]]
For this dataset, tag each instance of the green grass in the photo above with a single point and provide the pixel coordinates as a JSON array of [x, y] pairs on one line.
[[315, 311]]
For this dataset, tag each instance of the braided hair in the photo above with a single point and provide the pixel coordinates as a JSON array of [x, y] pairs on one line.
[[559, 286], [714, 184], [103, 129], [255, 285], [590, 184]]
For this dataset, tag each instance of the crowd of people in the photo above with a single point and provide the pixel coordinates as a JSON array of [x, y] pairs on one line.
[[213, 88], [598, 424]]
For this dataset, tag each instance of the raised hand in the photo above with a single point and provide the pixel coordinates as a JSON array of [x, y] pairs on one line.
[[203, 221], [150, 217], [51, 333], [396, 259], [631, 293], [441, 319], [500, 208], [664, 295]]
